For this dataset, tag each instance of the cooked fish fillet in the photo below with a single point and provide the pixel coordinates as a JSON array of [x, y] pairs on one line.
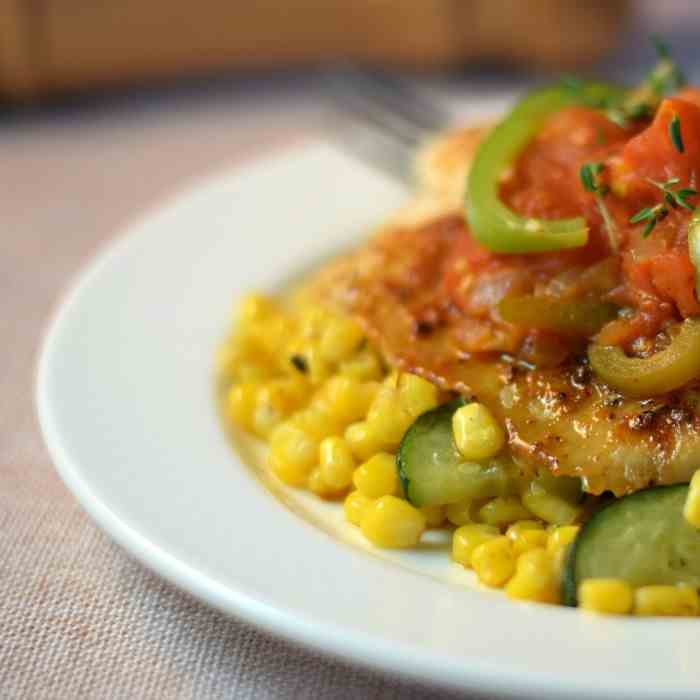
[[561, 419]]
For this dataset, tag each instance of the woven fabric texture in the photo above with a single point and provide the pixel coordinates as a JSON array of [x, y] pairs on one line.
[[80, 619]]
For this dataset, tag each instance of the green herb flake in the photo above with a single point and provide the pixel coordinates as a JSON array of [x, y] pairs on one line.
[[589, 179], [652, 215], [674, 132], [682, 196], [642, 215], [649, 228], [588, 174], [635, 112], [300, 363], [660, 46]]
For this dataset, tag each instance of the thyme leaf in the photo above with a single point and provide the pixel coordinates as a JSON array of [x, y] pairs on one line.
[[590, 180], [674, 132], [672, 199], [642, 215]]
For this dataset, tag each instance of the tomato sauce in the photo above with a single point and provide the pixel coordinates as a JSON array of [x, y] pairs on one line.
[[654, 279]]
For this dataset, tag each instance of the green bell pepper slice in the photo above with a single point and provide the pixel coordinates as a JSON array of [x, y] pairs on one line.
[[694, 246], [640, 377], [495, 225], [582, 317]]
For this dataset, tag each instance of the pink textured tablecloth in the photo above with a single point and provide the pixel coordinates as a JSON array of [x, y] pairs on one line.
[[78, 617]]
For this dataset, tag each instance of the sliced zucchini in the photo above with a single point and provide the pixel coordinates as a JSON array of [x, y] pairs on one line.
[[431, 468], [642, 538]]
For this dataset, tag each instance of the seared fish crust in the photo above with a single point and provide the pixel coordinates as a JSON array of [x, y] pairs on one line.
[[562, 419]]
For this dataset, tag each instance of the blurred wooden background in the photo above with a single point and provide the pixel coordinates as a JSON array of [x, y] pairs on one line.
[[52, 46]]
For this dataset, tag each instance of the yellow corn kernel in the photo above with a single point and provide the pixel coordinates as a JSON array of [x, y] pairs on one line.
[[293, 454], [265, 419], [288, 472], [336, 463], [363, 366], [535, 577], [550, 507], [529, 539], [392, 379], [285, 395], [494, 561], [363, 440], [459, 513], [318, 485], [339, 339], [417, 395], [313, 319], [477, 433], [434, 515], [250, 372], [388, 418], [526, 535], [377, 476], [316, 371], [355, 506], [247, 348], [561, 537], [289, 443], [672, 601], [605, 595], [467, 538], [226, 363], [276, 400], [691, 511], [517, 528], [267, 337], [392, 522], [255, 307], [316, 422], [241, 403], [346, 399], [502, 511]]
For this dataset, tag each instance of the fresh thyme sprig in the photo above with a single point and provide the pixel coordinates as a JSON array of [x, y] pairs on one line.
[[612, 107], [672, 199], [641, 102], [590, 179], [666, 77], [652, 215]]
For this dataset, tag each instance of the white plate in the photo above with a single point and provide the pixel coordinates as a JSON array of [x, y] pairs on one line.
[[126, 402]]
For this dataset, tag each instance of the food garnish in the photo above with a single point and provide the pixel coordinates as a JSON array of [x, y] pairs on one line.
[[493, 223], [674, 132], [672, 199], [589, 174], [660, 373]]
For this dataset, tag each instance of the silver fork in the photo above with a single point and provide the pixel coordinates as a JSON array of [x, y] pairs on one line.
[[380, 119]]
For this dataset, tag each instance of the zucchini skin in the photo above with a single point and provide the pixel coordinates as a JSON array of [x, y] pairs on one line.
[[442, 412], [569, 587], [570, 578]]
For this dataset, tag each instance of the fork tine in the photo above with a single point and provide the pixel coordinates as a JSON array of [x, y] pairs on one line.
[[388, 120], [376, 145], [379, 118], [401, 97], [386, 103]]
